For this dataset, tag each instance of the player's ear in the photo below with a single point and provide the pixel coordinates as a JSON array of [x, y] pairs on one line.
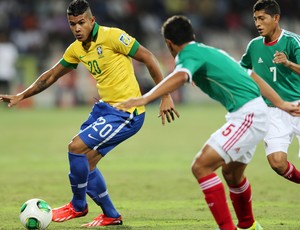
[[168, 42], [93, 19], [276, 18]]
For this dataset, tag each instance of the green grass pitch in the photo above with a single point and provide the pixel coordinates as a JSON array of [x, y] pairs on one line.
[[148, 176]]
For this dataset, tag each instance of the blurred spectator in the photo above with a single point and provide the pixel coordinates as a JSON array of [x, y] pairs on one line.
[[66, 92], [8, 60], [38, 27]]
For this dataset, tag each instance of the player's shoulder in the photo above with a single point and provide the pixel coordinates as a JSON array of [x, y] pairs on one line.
[[110, 30], [254, 43], [291, 36], [73, 46], [112, 34], [191, 48], [256, 40]]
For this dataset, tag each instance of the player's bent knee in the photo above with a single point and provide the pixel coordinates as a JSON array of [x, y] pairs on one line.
[[72, 147], [198, 171], [194, 170], [278, 167], [77, 146]]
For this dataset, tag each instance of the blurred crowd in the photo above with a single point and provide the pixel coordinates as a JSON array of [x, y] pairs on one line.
[[34, 34]]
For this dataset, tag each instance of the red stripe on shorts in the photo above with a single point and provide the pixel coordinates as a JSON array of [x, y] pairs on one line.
[[239, 133]]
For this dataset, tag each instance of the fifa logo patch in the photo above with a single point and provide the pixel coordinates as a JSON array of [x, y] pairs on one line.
[[125, 39], [99, 51]]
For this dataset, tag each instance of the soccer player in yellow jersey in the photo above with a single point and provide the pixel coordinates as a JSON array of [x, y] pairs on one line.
[[106, 53]]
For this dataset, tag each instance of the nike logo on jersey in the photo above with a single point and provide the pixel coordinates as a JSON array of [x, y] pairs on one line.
[[260, 60], [90, 136]]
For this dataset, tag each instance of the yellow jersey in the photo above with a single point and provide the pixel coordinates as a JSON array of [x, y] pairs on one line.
[[108, 59]]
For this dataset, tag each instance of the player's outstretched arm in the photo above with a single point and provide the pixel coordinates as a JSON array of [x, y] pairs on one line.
[[268, 92], [168, 85], [167, 108], [43, 82]]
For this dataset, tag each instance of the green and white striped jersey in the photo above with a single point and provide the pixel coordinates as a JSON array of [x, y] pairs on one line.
[[259, 57], [217, 74]]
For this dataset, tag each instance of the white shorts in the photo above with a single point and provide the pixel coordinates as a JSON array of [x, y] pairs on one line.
[[237, 139], [283, 128]]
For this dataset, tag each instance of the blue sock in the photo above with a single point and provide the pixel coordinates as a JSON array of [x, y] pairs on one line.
[[97, 190], [79, 170]]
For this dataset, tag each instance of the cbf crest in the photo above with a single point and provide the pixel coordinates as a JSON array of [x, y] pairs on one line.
[[100, 51]]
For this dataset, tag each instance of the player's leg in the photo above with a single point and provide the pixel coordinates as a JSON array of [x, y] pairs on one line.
[[79, 168], [244, 137], [79, 171], [224, 146], [277, 141], [240, 193], [78, 175], [97, 188], [94, 186], [203, 168], [279, 163], [235, 141], [110, 129]]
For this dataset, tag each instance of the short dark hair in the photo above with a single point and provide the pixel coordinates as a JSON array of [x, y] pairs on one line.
[[271, 7], [178, 29], [78, 7]]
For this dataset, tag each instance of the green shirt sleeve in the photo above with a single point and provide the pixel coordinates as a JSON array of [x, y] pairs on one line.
[[134, 48], [66, 64]]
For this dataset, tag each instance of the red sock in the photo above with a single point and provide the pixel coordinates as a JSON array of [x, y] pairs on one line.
[[215, 197], [292, 174], [241, 198]]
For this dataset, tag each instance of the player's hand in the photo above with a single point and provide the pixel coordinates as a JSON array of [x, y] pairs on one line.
[[291, 108], [11, 100], [281, 58], [132, 102], [167, 109]]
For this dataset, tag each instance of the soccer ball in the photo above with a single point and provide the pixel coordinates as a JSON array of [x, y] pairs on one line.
[[36, 214]]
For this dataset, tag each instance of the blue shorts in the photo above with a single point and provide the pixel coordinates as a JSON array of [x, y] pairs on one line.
[[106, 127]]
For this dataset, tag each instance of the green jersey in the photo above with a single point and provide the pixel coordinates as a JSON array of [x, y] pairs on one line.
[[259, 57], [217, 75]]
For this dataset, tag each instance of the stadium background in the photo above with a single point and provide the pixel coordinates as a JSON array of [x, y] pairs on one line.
[[40, 32], [156, 189]]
